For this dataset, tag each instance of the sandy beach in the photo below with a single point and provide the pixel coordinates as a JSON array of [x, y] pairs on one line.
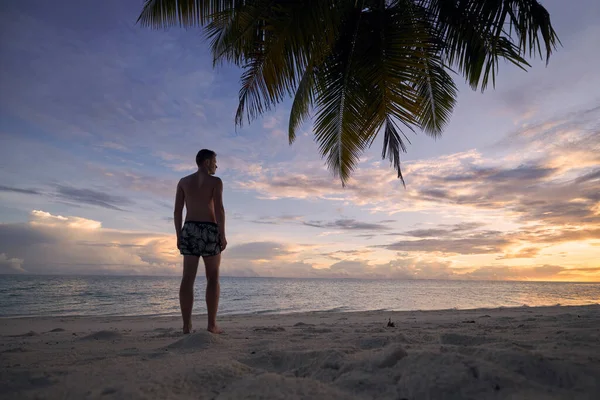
[[507, 353]]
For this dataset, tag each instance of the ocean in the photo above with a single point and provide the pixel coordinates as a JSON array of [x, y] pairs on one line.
[[28, 295]]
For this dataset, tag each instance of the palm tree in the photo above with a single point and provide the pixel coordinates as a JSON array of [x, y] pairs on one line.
[[361, 66]]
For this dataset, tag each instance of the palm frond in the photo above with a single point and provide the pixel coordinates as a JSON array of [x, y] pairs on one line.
[[274, 42], [474, 34], [392, 145], [186, 13], [528, 18], [362, 66], [394, 45], [437, 97], [340, 103], [303, 100], [233, 32]]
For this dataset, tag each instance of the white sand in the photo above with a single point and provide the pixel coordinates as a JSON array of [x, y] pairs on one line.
[[522, 353]]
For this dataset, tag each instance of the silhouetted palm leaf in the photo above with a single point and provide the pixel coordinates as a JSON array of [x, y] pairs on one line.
[[362, 66]]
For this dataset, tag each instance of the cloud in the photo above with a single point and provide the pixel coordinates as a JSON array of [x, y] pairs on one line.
[[516, 273], [527, 252], [18, 190], [347, 224], [499, 176], [542, 170], [554, 236], [511, 244], [340, 225], [290, 186], [542, 187], [528, 191], [10, 265], [54, 244], [258, 251], [283, 219], [160, 186], [42, 218], [480, 243], [399, 268], [442, 231], [344, 254], [348, 267], [92, 197], [365, 236], [113, 146]]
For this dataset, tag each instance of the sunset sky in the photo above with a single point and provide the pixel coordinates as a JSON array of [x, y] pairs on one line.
[[99, 118]]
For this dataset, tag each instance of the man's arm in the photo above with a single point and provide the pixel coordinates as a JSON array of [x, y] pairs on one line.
[[220, 212], [178, 213]]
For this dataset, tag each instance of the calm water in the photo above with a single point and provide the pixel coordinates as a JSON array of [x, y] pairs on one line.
[[112, 295]]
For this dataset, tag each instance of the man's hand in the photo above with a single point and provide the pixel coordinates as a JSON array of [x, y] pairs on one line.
[[223, 242], [178, 243]]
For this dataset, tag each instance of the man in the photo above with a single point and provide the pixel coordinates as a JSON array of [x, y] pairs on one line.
[[202, 235]]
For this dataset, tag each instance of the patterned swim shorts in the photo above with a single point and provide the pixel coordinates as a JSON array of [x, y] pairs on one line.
[[200, 239]]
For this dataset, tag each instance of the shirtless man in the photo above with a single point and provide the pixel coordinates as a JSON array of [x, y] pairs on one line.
[[202, 235]]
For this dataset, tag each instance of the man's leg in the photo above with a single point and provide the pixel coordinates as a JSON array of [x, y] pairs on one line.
[[213, 290], [186, 290]]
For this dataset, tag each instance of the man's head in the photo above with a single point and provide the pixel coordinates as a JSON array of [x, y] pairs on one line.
[[207, 159]]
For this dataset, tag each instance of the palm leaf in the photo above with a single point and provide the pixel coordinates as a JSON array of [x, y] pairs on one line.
[[362, 66], [303, 100], [186, 13], [437, 97], [233, 33], [340, 101], [393, 62], [273, 41], [474, 36], [392, 145]]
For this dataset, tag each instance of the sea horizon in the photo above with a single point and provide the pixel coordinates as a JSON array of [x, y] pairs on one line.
[[306, 278], [127, 295]]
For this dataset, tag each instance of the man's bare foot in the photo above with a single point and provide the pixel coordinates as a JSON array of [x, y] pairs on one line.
[[214, 329], [187, 328]]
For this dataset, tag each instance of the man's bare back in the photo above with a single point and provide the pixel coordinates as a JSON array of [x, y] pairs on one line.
[[198, 193]]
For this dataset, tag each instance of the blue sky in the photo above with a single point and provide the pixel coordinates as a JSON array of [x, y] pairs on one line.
[[99, 118]]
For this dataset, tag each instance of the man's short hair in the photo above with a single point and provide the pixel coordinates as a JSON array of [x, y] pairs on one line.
[[204, 155]]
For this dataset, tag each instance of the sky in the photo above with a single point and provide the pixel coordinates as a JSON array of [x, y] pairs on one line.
[[100, 118]]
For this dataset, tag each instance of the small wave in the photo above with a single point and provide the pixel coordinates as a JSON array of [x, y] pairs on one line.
[[269, 311], [335, 309]]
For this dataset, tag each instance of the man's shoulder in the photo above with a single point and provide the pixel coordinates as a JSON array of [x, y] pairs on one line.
[[216, 180], [187, 178]]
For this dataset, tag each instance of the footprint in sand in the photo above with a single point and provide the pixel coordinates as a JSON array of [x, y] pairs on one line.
[[319, 330], [464, 340], [198, 340], [298, 324], [270, 329], [167, 333], [275, 386], [130, 351], [16, 350], [373, 342], [392, 356], [28, 334]]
